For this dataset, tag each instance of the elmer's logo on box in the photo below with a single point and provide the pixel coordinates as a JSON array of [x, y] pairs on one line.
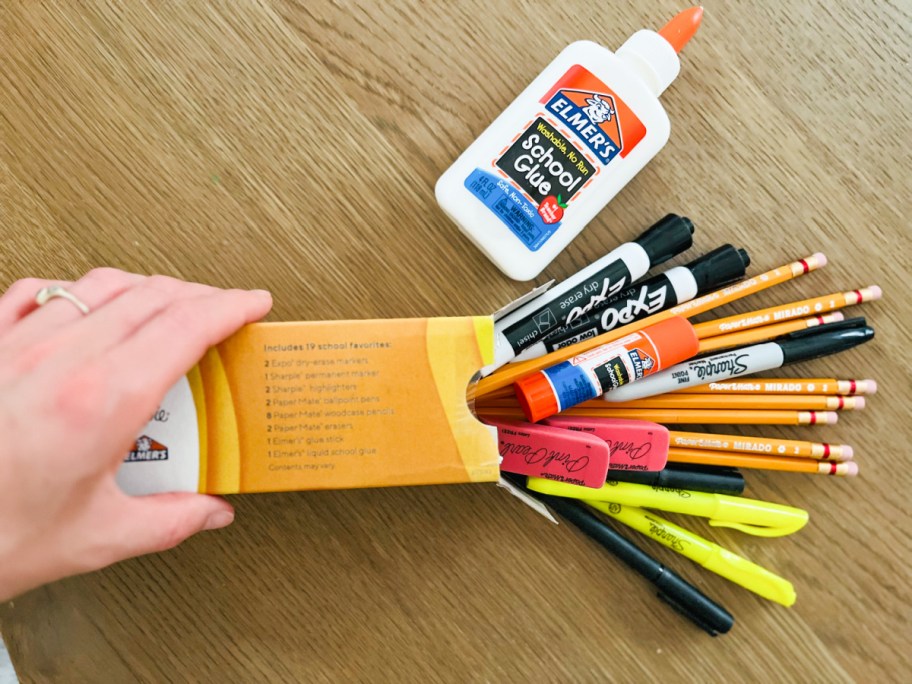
[[147, 449], [595, 114]]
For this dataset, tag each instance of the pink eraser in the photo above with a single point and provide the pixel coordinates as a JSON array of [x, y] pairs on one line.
[[859, 402], [851, 468], [550, 452], [871, 386], [820, 258], [633, 444], [848, 453], [876, 292]]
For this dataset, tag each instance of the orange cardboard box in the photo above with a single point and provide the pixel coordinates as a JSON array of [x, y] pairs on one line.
[[323, 405]]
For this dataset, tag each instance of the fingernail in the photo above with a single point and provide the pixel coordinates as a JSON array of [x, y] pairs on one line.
[[219, 520], [262, 293]]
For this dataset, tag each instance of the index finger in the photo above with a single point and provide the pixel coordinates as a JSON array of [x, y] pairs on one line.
[[157, 355]]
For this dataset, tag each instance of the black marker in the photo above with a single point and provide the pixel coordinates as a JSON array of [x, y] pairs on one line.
[[690, 477], [672, 588], [596, 285], [675, 286], [803, 345]]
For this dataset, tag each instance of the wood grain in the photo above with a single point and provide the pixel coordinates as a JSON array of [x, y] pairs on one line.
[[294, 146]]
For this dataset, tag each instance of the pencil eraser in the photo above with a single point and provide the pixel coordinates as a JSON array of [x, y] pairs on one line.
[[827, 417], [870, 386], [859, 402], [851, 468], [876, 292], [847, 452], [553, 453], [633, 444], [820, 258]]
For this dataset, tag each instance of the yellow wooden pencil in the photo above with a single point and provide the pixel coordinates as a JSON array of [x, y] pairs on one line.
[[761, 446], [785, 312], [735, 460]]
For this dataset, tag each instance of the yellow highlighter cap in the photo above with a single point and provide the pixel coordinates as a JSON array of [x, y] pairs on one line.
[[750, 576]]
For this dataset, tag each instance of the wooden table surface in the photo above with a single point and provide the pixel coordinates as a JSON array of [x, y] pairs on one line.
[[294, 146]]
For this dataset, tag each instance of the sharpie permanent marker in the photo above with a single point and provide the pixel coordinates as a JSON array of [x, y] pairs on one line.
[[672, 588], [800, 346], [594, 287], [675, 286]]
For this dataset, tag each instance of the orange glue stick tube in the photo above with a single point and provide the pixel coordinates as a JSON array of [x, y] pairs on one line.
[[604, 368]]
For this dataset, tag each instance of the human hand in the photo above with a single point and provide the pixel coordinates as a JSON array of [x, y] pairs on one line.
[[75, 390]]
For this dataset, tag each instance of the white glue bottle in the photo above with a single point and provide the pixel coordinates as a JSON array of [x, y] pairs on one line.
[[564, 148]]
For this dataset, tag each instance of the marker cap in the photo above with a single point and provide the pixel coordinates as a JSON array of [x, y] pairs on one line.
[[824, 340], [721, 266], [536, 397], [667, 238]]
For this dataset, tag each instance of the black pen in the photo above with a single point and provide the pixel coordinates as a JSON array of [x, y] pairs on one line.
[[672, 588], [694, 478]]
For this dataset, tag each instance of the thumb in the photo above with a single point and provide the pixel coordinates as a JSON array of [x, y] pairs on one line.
[[162, 521]]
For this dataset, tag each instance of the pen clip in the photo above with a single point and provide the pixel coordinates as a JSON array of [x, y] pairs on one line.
[[783, 530]]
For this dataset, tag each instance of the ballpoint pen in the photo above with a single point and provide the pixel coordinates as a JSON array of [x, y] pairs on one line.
[[702, 551], [759, 518]]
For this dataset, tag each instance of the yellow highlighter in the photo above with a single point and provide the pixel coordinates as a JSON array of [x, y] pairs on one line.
[[759, 518], [711, 556]]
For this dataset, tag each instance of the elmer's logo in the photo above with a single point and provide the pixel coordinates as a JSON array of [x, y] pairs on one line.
[[593, 117], [642, 362], [147, 449], [594, 113]]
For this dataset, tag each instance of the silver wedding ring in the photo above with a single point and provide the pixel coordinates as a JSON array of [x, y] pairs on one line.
[[46, 294]]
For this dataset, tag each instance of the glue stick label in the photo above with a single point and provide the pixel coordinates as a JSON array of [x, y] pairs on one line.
[[602, 369], [581, 126]]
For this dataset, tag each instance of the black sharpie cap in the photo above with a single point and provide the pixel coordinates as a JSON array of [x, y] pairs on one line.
[[667, 238], [690, 602], [721, 266], [824, 340], [692, 478]]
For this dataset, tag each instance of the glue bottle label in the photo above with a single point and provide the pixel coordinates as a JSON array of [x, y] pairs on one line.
[[602, 369], [581, 126]]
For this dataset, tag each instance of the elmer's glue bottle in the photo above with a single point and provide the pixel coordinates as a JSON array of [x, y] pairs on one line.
[[562, 150]]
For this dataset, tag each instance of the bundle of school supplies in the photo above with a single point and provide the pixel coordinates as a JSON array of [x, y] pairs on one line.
[[589, 375]]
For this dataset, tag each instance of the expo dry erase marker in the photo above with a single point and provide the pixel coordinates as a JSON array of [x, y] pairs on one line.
[[604, 369], [594, 286], [800, 346], [692, 478], [677, 592], [565, 146], [676, 285]]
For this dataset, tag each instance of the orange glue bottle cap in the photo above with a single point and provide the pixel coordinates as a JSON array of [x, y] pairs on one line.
[[653, 55], [682, 28]]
